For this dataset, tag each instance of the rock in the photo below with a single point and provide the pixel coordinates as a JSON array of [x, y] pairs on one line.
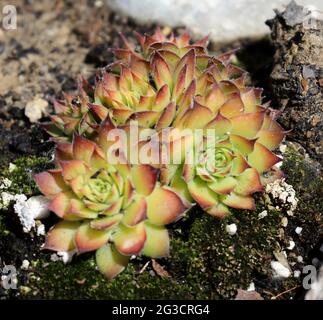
[[297, 75], [35, 109], [231, 229], [25, 265], [298, 230], [31, 209], [291, 245], [224, 20], [248, 295], [279, 270]]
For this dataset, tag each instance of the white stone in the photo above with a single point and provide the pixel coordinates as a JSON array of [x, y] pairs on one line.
[[263, 214], [284, 193], [41, 230], [39, 206], [35, 109], [25, 265], [224, 20], [251, 287], [31, 209], [300, 259], [279, 270], [297, 273], [291, 245], [231, 229], [65, 256], [298, 230]]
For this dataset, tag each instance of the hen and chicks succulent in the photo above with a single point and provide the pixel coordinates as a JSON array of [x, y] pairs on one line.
[[121, 209]]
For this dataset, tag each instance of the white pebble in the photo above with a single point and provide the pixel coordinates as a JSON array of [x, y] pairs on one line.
[[263, 214], [298, 230], [300, 259], [291, 245], [35, 109], [65, 256], [231, 229], [39, 206], [31, 209], [251, 287], [279, 270], [297, 273], [41, 230], [25, 265]]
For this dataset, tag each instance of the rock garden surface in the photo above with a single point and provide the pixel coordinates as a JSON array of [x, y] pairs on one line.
[[251, 254]]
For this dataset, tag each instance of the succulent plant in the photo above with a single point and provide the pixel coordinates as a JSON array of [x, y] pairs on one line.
[[152, 86], [72, 115], [239, 135], [119, 210], [169, 85]]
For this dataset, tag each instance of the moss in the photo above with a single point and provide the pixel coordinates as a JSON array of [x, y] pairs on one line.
[[205, 262], [22, 175]]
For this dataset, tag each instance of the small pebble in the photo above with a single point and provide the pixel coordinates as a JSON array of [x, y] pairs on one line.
[[297, 273], [300, 259], [251, 287], [263, 214], [298, 230], [279, 270], [231, 229], [35, 109], [291, 245], [25, 265]]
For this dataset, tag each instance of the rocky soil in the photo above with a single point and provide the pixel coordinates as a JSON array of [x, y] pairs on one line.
[[56, 42]]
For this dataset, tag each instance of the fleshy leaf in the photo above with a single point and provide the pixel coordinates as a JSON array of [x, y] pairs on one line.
[[50, 182], [110, 262], [72, 168], [130, 240], [82, 148], [201, 193], [247, 125], [60, 203], [262, 158], [157, 241], [245, 146], [144, 178], [136, 211], [219, 210], [236, 201], [248, 182], [223, 185], [106, 223], [88, 239], [164, 206], [61, 236]]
